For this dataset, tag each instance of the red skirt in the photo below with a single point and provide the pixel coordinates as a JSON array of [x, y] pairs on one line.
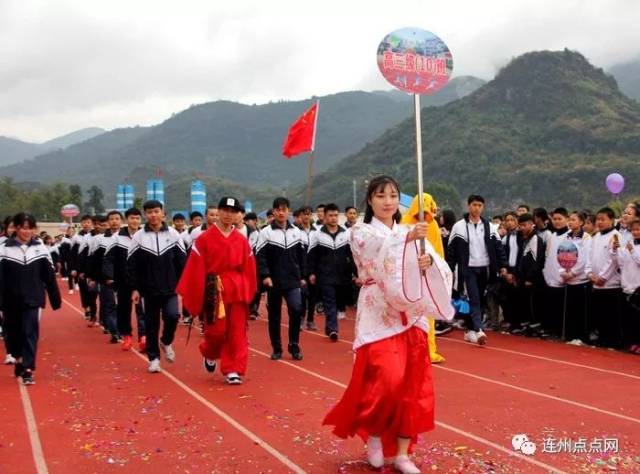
[[390, 394]]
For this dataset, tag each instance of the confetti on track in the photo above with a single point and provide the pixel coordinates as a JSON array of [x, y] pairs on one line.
[[98, 410]]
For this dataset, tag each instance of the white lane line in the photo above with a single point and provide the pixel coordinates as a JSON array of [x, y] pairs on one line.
[[445, 426], [535, 356], [32, 428], [515, 387], [249, 434], [548, 359]]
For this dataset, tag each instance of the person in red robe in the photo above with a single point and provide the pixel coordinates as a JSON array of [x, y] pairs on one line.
[[224, 252]]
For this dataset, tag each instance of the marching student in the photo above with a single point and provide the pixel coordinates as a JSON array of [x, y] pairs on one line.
[[219, 281], [552, 316], [195, 220], [628, 258], [475, 252], [26, 273], [154, 264], [522, 209], [351, 215], [180, 225], [8, 229], [104, 282], [79, 244], [331, 266], [310, 290], [100, 226], [251, 221], [211, 218], [602, 270], [296, 217], [390, 397], [575, 323], [281, 266], [509, 289], [66, 245], [319, 215], [114, 269]]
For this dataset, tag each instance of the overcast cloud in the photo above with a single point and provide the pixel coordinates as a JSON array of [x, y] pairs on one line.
[[66, 64]]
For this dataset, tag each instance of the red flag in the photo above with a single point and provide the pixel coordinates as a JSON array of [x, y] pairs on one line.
[[302, 133]]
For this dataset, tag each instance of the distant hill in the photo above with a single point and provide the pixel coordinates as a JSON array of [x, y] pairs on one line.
[[230, 141], [72, 138], [628, 77], [15, 151], [547, 130]]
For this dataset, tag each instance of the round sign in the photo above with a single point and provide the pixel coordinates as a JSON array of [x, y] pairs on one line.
[[567, 255], [415, 61], [70, 210]]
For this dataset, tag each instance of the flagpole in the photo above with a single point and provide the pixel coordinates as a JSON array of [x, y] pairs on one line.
[[313, 155], [416, 100]]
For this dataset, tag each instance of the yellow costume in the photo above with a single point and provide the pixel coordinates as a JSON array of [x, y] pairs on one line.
[[435, 239]]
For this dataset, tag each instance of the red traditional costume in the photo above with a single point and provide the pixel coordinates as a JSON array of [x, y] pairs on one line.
[[390, 394], [231, 259]]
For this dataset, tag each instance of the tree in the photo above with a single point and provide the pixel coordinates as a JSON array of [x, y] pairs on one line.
[[75, 194], [95, 199]]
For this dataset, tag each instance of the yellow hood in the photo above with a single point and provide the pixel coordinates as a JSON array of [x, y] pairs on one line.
[[433, 231]]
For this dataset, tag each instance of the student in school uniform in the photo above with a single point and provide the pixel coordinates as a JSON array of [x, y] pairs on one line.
[[508, 289], [310, 292], [552, 314], [628, 258], [629, 215], [26, 274], [602, 270], [577, 289]]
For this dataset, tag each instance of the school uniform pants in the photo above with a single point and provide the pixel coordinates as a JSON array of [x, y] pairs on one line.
[[605, 311], [575, 321], [630, 323], [22, 326], [293, 297], [88, 298], [124, 313], [553, 317], [108, 308], [158, 307], [475, 280], [226, 339], [309, 296]]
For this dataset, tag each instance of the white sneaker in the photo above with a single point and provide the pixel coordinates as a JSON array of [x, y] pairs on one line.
[[9, 360], [234, 379], [575, 342], [169, 353], [70, 292], [342, 315], [481, 337], [374, 452], [154, 366], [77, 288], [65, 279], [471, 336], [405, 465]]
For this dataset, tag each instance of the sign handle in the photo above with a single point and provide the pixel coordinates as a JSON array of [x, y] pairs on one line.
[[416, 101]]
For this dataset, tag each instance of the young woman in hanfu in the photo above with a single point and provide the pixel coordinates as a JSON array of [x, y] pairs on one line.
[[390, 399]]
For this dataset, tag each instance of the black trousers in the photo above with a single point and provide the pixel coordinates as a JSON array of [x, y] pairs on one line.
[[552, 318], [630, 323], [88, 298], [309, 296], [22, 324], [575, 320], [124, 313], [605, 313], [293, 297], [155, 308]]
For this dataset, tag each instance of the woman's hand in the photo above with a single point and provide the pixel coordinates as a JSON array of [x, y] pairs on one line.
[[424, 262], [418, 232]]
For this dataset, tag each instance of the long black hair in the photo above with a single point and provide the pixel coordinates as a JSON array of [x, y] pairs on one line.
[[378, 184]]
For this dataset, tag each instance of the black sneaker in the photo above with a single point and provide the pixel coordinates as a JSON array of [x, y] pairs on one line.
[[27, 378], [276, 355], [253, 316], [114, 339], [311, 326], [209, 365], [294, 350], [333, 336], [186, 321]]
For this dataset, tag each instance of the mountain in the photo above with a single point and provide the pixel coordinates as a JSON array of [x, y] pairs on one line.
[[628, 77], [228, 140], [15, 151], [547, 130], [72, 138]]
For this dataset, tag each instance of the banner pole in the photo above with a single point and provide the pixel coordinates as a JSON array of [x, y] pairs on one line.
[[416, 101], [310, 177]]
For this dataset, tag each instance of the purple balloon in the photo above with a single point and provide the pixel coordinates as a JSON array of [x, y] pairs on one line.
[[615, 183]]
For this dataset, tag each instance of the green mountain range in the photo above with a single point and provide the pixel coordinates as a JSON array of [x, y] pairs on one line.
[[547, 131], [229, 141]]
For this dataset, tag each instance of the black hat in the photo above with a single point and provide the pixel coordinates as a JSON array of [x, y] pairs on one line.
[[250, 216], [231, 202]]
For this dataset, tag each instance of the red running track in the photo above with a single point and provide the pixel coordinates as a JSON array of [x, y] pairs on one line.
[[96, 409]]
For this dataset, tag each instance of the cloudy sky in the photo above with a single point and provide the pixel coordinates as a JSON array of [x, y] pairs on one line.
[[70, 64]]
